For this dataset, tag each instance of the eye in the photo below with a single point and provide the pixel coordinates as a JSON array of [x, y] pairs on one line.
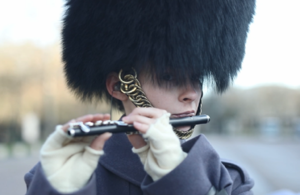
[[167, 77], [197, 80]]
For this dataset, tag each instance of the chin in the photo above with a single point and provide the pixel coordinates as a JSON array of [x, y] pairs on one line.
[[185, 128]]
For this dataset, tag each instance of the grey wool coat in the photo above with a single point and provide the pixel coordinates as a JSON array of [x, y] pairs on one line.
[[120, 172]]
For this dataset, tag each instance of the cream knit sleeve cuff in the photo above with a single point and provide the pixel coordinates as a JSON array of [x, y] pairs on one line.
[[68, 163], [163, 151]]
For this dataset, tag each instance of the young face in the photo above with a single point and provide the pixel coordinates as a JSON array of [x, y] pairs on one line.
[[180, 101]]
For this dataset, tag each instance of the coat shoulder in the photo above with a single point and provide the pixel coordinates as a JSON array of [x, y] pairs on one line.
[[235, 170]]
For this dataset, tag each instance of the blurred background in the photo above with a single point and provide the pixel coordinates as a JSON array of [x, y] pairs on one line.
[[255, 123]]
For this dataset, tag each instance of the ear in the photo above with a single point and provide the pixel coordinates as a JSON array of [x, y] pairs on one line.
[[112, 81]]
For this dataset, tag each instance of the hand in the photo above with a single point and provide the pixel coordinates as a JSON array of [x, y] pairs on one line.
[[142, 119], [63, 158], [162, 152], [98, 142]]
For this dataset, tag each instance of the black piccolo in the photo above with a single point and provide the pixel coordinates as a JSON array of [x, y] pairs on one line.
[[80, 129]]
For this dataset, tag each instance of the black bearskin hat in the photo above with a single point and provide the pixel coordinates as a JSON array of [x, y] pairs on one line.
[[190, 38]]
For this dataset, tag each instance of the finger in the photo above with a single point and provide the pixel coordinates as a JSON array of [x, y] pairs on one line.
[[100, 117], [66, 126], [137, 141], [143, 128], [85, 118], [99, 142], [138, 118], [106, 117]]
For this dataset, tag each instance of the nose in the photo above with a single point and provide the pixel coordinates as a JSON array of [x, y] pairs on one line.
[[189, 94]]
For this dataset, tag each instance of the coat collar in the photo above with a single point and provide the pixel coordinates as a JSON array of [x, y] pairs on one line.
[[120, 159]]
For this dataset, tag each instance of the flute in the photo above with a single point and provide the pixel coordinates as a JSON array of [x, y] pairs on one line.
[[80, 129]]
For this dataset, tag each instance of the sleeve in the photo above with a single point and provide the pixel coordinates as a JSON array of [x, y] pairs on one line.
[[63, 158], [163, 151], [201, 172], [38, 184]]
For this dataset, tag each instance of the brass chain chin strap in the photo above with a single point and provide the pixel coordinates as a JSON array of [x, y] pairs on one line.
[[131, 86]]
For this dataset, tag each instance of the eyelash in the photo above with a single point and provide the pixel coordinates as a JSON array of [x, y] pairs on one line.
[[167, 77], [169, 80]]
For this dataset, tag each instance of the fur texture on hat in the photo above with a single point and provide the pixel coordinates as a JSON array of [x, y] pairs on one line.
[[187, 38]]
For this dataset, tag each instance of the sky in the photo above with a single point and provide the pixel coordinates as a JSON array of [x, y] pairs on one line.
[[272, 49], [273, 46]]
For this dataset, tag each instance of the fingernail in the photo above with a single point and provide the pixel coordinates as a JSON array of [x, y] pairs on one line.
[[136, 124]]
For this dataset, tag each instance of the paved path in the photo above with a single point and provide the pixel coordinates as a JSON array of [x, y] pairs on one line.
[[12, 173], [274, 164]]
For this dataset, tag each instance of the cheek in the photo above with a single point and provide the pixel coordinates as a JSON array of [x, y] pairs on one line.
[[151, 94], [167, 102], [159, 98]]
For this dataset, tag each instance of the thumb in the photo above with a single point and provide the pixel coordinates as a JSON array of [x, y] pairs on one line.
[[99, 141]]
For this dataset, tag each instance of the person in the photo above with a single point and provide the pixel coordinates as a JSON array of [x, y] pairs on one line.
[[150, 58]]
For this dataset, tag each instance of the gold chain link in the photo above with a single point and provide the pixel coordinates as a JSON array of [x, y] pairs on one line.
[[131, 86]]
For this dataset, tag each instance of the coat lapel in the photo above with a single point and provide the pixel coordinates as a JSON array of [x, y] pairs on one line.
[[120, 160]]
